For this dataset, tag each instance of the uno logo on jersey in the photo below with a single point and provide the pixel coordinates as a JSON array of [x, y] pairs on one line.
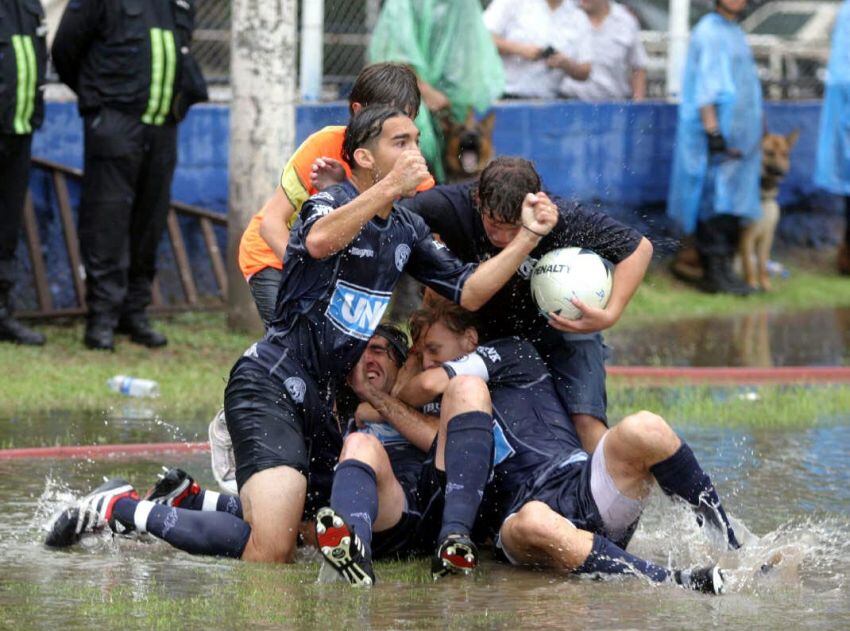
[[491, 353], [357, 311], [402, 253]]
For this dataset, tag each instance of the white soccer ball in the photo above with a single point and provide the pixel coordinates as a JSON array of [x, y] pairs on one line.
[[567, 273]]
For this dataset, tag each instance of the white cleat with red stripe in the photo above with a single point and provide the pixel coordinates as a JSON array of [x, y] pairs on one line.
[[92, 513]]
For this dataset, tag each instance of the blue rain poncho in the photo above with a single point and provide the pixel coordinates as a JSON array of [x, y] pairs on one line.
[[720, 71], [448, 46], [833, 161]]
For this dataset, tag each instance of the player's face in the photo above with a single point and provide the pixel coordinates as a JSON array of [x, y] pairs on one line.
[[441, 344], [500, 233], [397, 136], [381, 370]]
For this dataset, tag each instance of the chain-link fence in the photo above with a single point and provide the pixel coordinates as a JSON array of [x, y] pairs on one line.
[[789, 39]]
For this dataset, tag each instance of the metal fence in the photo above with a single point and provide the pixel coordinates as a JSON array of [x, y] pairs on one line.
[[790, 68]]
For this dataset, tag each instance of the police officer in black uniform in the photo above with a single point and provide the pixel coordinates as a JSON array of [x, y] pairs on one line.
[[23, 57], [130, 65]]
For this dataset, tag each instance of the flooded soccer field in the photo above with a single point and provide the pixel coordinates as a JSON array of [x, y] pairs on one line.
[[788, 487]]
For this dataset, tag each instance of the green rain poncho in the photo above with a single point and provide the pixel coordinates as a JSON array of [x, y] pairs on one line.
[[448, 46]]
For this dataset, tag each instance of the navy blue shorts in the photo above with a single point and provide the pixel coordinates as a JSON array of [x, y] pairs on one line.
[[577, 363], [273, 425], [564, 486]]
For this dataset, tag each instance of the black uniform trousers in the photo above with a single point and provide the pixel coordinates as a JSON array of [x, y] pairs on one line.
[[14, 180], [123, 210]]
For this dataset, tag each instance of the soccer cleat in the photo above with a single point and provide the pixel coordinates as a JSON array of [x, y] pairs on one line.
[[342, 548], [91, 513], [172, 488], [456, 555], [708, 580]]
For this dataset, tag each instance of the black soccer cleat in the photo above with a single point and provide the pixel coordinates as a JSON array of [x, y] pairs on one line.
[[456, 555], [172, 488], [92, 513], [708, 580], [342, 548]]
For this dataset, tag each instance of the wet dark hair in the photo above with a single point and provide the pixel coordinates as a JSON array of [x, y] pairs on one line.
[[386, 84], [455, 318], [503, 185], [364, 127], [397, 339]]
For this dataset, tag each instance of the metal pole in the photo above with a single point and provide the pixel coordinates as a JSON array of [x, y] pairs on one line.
[[677, 47], [262, 126], [312, 42]]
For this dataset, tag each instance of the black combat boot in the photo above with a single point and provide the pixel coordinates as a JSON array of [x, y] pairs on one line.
[[138, 327], [13, 331]]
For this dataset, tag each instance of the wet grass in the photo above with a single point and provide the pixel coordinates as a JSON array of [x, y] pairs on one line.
[[786, 406], [662, 297], [64, 375]]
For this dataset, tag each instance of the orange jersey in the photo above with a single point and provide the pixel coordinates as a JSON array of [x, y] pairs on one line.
[[254, 253]]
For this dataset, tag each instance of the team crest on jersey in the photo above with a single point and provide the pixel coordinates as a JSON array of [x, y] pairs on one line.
[[526, 267], [296, 388], [402, 254], [357, 311]]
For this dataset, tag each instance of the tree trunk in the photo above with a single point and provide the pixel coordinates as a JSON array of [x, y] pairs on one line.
[[262, 126]]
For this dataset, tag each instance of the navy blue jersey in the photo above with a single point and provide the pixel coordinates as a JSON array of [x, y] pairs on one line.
[[450, 211], [531, 427], [328, 309]]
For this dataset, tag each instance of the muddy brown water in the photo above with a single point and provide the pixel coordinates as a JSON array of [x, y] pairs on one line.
[[758, 339], [789, 488]]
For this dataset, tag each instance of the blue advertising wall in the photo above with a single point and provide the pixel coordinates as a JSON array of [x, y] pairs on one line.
[[615, 155]]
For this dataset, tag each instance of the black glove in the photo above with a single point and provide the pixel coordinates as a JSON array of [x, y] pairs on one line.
[[716, 142]]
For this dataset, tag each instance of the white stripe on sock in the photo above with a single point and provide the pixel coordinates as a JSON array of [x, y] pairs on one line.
[[140, 517], [210, 500]]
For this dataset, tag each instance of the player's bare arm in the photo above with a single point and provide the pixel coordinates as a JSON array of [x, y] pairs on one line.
[[539, 216], [274, 230], [628, 275], [420, 429], [337, 229]]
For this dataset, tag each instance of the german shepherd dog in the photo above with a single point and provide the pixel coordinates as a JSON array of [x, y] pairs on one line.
[[468, 146], [757, 237]]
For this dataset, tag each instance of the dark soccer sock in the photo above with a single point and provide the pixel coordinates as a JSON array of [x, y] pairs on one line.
[[469, 454], [607, 558], [681, 475], [195, 532], [207, 500], [354, 495]]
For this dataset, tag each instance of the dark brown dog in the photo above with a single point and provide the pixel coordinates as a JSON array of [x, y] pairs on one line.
[[469, 147], [757, 237]]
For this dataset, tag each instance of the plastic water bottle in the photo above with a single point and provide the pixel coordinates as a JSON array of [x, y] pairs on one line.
[[133, 386]]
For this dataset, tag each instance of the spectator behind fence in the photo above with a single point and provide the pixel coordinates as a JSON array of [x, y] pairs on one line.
[[717, 158], [833, 160], [23, 57], [453, 55], [539, 44], [130, 65], [617, 56]]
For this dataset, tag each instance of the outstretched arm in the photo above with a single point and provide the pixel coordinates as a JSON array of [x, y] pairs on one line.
[[539, 216], [338, 228]]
